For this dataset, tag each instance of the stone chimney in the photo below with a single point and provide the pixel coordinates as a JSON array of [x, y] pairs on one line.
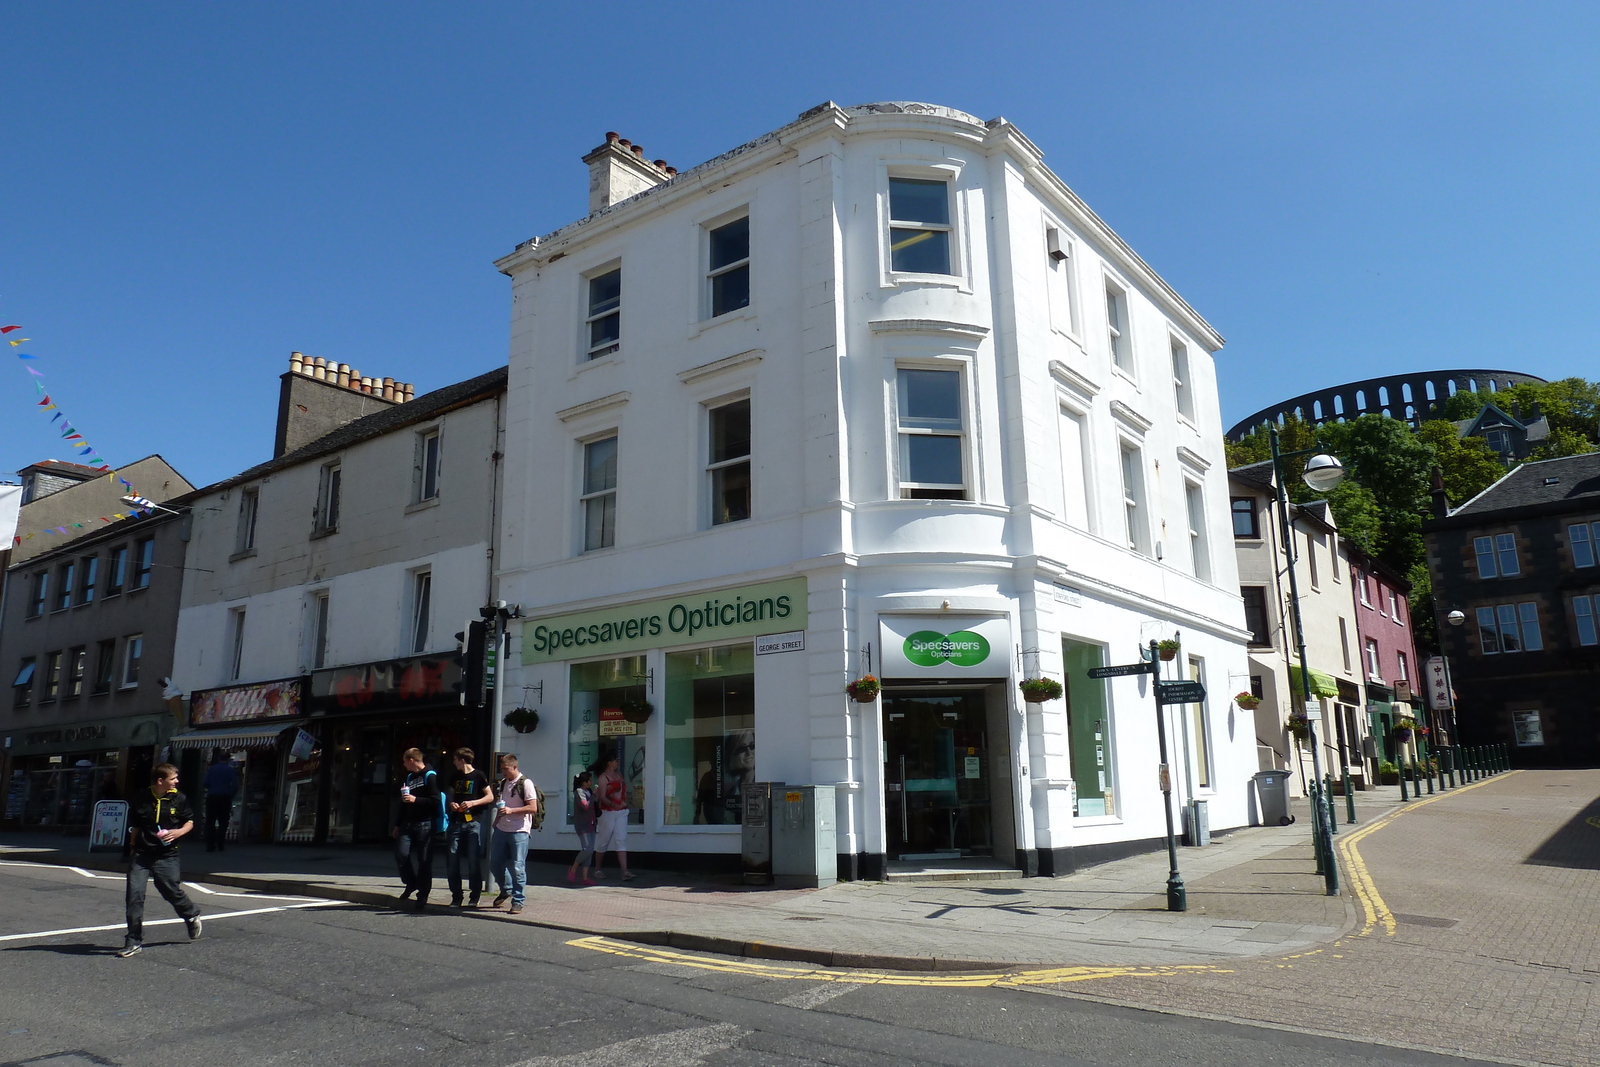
[[618, 170], [319, 396], [1441, 501]]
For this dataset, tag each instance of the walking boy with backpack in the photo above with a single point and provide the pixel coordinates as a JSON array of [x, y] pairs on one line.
[[518, 810]]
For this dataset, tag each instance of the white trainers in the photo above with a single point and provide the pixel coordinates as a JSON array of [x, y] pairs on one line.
[[132, 948], [193, 926]]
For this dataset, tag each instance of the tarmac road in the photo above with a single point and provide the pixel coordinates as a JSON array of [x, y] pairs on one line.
[[291, 981]]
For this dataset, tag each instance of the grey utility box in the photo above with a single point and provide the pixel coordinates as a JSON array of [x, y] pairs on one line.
[[756, 850], [1272, 790], [1196, 823], [804, 837]]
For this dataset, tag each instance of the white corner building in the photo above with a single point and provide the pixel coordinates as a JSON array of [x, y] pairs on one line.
[[873, 393]]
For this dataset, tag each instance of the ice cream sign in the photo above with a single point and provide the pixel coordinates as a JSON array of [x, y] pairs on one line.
[[944, 647]]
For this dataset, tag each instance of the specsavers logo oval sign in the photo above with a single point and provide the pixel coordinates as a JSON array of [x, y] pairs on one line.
[[944, 646], [930, 648]]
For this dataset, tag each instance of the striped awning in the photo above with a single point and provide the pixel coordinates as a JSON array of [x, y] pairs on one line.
[[233, 736]]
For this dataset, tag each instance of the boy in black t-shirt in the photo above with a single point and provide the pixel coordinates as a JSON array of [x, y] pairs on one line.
[[468, 794], [157, 818]]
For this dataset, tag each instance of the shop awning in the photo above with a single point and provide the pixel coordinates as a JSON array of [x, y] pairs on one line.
[[232, 736], [1322, 685]]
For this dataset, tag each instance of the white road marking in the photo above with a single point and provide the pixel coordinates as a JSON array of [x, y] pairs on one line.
[[678, 1048], [118, 877], [818, 995], [208, 917]]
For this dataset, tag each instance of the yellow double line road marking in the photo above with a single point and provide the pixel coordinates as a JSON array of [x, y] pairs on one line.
[[1043, 976], [1374, 911]]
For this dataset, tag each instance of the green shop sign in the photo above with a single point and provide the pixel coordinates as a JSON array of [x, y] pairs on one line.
[[742, 611], [929, 648]]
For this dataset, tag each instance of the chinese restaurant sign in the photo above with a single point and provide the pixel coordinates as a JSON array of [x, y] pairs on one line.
[[399, 683], [242, 703]]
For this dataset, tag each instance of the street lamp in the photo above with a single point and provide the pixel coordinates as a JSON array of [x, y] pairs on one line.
[[133, 500], [1323, 472]]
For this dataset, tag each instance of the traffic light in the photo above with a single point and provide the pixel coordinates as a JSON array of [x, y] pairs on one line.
[[469, 654]]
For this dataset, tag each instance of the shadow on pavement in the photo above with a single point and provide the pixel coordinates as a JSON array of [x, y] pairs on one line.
[[80, 949], [1577, 844]]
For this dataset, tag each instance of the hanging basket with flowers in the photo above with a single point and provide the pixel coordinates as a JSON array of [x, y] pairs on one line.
[[1039, 690], [1247, 701], [1299, 726], [1167, 649], [522, 720], [1402, 728], [864, 690], [637, 709]]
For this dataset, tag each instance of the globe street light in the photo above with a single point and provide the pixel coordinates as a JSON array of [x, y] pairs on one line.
[[1323, 472]]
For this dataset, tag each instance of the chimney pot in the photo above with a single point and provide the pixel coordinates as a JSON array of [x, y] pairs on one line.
[[624, 141], [638, 151], [411, 392], [388, 388], [612, 137], [672, 172], [661, 163], [344, 375], [296, 361], [366, 384]]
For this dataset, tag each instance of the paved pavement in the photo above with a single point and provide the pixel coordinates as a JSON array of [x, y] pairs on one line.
[[1467, 924]]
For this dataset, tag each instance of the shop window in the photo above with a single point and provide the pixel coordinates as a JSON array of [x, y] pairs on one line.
[[932, 464], [728, 262], [64, 575], [244, 539], [41, 594], [603, 324], [599, 494], [132, 656], [116, 570], [77, 664], [600, 696], [729, 467], [710, 728], [919, 226], [1089, 735], [52, 678], [22, 687], [105, 666], [88, 578], [299, 794], [144, 560]]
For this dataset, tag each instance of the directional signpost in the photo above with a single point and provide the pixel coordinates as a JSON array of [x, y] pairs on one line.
[[1166, 693]]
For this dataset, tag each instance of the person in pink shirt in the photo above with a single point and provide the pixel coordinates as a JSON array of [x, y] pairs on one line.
[[508, 852]]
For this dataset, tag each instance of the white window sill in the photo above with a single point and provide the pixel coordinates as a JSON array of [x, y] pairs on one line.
[[422, 505], [1097, 820], [736, 315], [897, 280], [1125, 375], [590, 364]]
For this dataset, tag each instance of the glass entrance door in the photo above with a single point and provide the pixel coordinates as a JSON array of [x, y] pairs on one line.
[[936, 779]]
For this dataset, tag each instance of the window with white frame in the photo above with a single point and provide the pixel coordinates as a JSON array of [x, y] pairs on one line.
[[329, 491], [602, 328], [1344, 642], [1586, 616], [728, 266], [1583, 538], [235, 642], [1374, 664], [1496, 556], [1402, 668], [1182, 391], [244, 536], [599, 498], [1199, 547], [1505, 628], [319, 629], [1201, 729], [1135, 527], [1394, 605], [1117, 327], [728, 461], [427, 487], [919, 226], [1364, 584], [1075, 460], [421, 611], [132, 657], [932, 428], [1060, 285]]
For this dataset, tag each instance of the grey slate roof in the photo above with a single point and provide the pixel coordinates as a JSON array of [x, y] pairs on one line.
[[1545, 483], [375, 425]]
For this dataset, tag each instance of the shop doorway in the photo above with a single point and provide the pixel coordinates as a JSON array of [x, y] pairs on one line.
[[940, 788]]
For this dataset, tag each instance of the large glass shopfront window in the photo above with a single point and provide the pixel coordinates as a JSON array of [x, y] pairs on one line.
[[1088, 730], [710, 735], [63, 790], [603, 696]]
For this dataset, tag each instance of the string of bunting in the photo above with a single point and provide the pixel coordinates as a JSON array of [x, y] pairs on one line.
[[75, 440]]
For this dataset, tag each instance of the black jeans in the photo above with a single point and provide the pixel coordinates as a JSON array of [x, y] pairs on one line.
[[219, 809], [464, 848], [413, 854], [164, 868]]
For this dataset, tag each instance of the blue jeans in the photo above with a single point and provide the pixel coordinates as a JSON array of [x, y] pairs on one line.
[[464, 848], [508, 861]]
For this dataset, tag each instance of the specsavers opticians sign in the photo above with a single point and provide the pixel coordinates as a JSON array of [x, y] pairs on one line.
[[944, 646], [741, 611]]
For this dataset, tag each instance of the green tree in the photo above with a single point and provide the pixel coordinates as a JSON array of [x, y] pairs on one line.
[[1469, 465], [1562, 442]]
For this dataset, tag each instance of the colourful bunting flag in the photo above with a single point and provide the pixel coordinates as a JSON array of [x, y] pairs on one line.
[[19, 341], [8, 329]]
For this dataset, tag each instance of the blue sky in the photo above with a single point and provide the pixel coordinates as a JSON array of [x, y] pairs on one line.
[[191, 191]]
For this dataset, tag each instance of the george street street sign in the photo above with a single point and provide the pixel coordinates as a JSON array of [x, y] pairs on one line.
[[1180, 692], [1122, 671]]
